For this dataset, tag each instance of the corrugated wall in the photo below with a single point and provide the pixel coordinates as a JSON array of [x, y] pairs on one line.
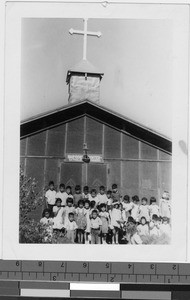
[[137, 168]]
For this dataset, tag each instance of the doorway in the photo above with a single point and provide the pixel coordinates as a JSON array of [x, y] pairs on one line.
[[73, 173]]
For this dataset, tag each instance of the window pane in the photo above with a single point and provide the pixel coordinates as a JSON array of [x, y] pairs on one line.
[[94, 136], [148, 179], [148, 175], [164, 156], [130, 178], [112, 143], [75, 136], [165, 177], [22, 163], [36, 144], [130, 147], [148, 152], [56, 141], [35, 170], [51, 172], [114, 170], [22, 147]]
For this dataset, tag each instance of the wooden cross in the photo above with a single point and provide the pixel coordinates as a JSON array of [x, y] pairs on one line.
[[85, 32]]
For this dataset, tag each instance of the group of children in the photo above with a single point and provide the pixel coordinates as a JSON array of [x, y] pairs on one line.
[[105, 217]]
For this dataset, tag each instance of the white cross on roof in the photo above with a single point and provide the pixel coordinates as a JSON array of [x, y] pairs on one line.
[[85, 33]]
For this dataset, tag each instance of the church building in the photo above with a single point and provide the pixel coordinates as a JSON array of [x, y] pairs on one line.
[[120, 150]]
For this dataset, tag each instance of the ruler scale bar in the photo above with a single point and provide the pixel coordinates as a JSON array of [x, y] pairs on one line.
[[84, 271]]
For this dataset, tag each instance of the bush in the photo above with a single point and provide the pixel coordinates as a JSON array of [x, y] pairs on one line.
[[30, 231]]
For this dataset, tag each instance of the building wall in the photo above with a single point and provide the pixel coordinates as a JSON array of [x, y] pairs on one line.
[[136, 167]]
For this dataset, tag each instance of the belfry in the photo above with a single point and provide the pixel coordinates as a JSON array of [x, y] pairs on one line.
[[84, 78]]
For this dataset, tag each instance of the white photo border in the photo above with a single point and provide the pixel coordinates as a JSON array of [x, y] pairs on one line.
[[177, 251]]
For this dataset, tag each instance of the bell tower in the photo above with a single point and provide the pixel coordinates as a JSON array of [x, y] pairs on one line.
[[84, 79]]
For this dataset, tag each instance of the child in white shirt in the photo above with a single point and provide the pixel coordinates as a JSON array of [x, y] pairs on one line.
[[71, 226], [104, 216], [135, 207], [47, 221], [50, 196], [93, 197], [61, 194], [144, 209], [102, 198], [165, 206], [87, 211], [85, 194], [127, 205], [81, 221], [154, 226], [68, 208], [110, 200], [165, 227], [142, 228], [58, 211], [115, 219], [153, 208]]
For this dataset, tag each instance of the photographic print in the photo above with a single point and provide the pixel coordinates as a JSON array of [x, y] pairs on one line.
[[96, 144], [96, 132]]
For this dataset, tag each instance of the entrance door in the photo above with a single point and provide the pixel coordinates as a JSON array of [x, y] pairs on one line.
[[93, 175], [71, 174], [96, 175]]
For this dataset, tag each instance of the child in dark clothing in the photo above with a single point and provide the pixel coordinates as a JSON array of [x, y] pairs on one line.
[[77, 195], [115, 193]]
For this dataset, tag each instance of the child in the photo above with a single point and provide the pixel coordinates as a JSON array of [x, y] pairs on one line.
[[69, 191], [50, 196], [165, 206], [87, 210], [47, 221], [69, 208], [153, 207], [154, 226], [81, 221], [61, 194], [85, 194], [142, 228], [165, 227], [58, 216], [115, 217], [110, 200], [132, 233], [135, 207], [96, 227], [77, 195], [102, 198], [46, 217], [144, 210], [104, 216], [93, 197], [71, 226], [115, 193], [127, 205]]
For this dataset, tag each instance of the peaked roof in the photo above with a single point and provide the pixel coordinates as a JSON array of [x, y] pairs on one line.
[[84, 66], [86, 108]]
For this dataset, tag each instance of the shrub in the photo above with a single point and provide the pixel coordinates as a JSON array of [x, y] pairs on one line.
[[30, 231]]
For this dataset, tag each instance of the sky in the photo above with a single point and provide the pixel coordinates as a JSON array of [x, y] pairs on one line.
[[134, 55]]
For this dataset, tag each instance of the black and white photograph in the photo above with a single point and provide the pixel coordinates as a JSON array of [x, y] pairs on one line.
[[96, 118], [96, 147]]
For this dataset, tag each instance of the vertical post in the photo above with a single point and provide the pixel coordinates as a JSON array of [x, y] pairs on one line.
[[85, 39]]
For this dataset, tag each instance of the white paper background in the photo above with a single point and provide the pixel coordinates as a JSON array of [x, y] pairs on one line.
[[11, 248]]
